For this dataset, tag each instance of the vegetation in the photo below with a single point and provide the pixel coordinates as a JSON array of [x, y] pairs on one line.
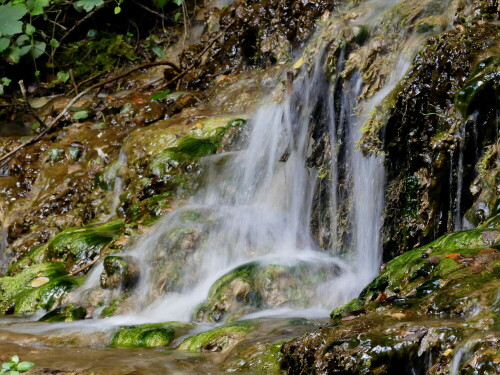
[[14, 367]]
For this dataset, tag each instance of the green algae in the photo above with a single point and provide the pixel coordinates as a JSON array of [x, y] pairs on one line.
[[482, 81], [39, 286], [73, 245], [448, 276], [68, 313], [148, 335], [218, 339]]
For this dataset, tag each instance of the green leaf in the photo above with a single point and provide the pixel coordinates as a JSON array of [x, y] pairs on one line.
[[118, 10], [158, 51], [15, 359], [178, 2], [87, 5], [35, 126], [159, 95], [35, 7], [91, 33], [54, 43], [2, 372], [14, 372], [38, 49], [98, 126], [25, 365], [177, 16], [29, 29], [160, 3], [22, 40], [6, 366], [4, 44], [6, 81], [126, 108], [1, 93], [54, 153], [80, 115], [9, 19], [63, 76]]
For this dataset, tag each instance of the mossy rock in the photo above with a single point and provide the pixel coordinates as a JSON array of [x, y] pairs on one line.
[[456, 271], [219, 339], [120, 272], [255, 286], [482, 82], [68, 313], [149, 335], [74, 246], [42, 286]]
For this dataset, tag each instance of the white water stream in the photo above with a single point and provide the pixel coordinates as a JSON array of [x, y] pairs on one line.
[[256, 207]]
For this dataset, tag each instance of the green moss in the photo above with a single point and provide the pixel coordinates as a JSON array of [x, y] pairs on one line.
[[101, 55], [453, 271], [148, 335], [73, 245], [40, 286], [66, 313], [218, 339], [482, 81], [111, 308]]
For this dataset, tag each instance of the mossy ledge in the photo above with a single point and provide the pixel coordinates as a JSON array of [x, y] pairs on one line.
[[415, 316]]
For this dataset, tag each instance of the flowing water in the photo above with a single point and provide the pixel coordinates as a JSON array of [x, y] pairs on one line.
[[256, 205]]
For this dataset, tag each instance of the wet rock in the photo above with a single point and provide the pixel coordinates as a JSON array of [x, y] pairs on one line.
[[67, 313], [74, 246], [253, 286], [20, 295], [149, 335], [220, 339], [120, 272], [429, 311]]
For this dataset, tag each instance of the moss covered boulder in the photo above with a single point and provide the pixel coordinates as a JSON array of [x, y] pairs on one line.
[[418, 315], [149, 335], [74, 247], [42, 286], [219, 339], [255, 286], [68, 313]]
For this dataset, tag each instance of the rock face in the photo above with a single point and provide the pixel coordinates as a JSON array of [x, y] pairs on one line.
[[433, 309]]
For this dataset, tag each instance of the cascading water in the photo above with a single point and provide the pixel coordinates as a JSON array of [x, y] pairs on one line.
[[254, 206]]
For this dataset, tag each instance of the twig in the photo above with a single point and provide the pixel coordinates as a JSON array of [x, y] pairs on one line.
[[97, 259], [72, 76], [76, 98], [184, 17], [30, 108], [150, 10]]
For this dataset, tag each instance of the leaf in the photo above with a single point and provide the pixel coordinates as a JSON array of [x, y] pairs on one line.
[[4, 44], [15, 359], [6, 81], [125, 108], [29, 29], [6, 365], [159, 51], [25, 366], [9, 19], [177, 16], [91, 33], [38, 49], [22, 40], [1, 93], [14, 372], [178, 2], [118, 10], [88, 5], [35, 126], [452, 255], [160, 3], [159, 95], [35, 7], [54, 43], [63, 76], [80, 115]]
